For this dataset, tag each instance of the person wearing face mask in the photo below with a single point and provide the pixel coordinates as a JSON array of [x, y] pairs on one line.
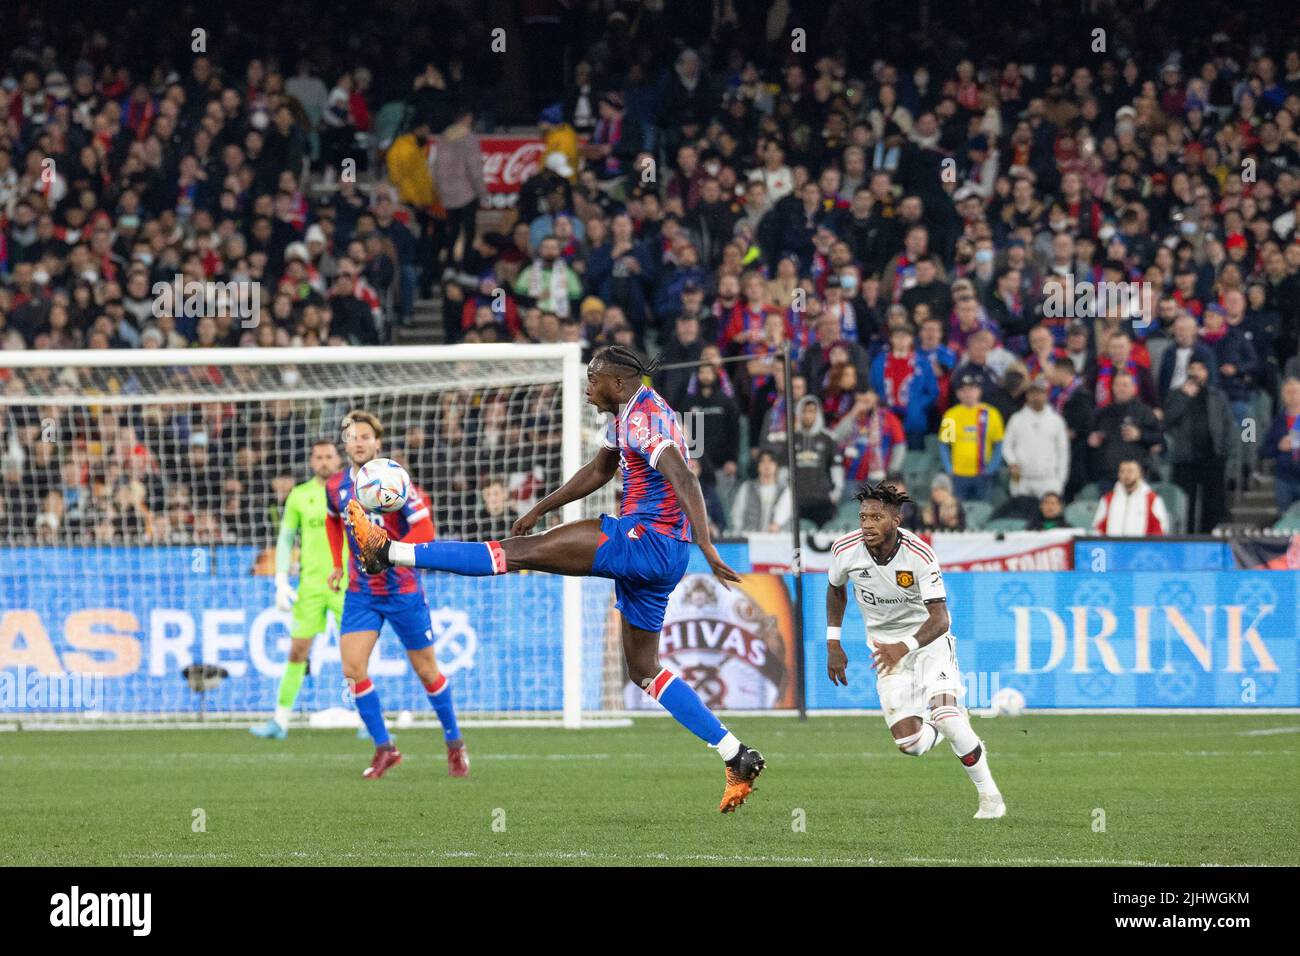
[[980, 266]]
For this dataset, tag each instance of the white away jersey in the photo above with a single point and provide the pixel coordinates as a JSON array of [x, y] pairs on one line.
[[892, 595]]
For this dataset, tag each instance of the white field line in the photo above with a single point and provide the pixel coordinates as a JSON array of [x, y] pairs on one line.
[[1268, 732]]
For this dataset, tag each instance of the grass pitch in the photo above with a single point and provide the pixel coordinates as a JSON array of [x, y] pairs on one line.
[[1168, 790]]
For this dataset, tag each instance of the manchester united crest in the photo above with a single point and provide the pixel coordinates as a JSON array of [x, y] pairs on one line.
[[905, 578]]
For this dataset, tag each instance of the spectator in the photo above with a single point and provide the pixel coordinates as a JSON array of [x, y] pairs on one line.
[[944, 511], [1282, 444], [1234, 358], [1186, 346], [1201, 430], [548, 281], [970, 442], [458, 177], [821, 354], [979, 364], [1131, 508], [1072, 401], [1050, 515], [1119, 358], [768, 419], [814, 454], [869, 441], [1124, 430], [559, 138], [620, 271], [1077, 348], [714, 422], [1037, 446], [906, 384], [928, 289], [683, 347], [762, 503], [494, 518]]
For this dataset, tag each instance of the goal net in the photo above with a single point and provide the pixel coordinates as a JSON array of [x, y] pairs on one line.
[[142, 497]]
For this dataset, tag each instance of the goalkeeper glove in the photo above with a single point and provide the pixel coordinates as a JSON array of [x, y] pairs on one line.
[[284, 595]]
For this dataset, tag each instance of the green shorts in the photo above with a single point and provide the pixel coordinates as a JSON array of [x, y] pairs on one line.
[[309, 611]]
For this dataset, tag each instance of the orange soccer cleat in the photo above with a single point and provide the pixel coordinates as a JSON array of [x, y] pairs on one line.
[[372, 540], [742, 770]]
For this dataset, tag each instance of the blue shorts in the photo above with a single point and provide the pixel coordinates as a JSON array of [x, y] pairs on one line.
[[407, 613], [645, 566]]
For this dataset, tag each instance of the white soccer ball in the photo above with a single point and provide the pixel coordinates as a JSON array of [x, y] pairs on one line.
[[382, 485], [1008, 702]]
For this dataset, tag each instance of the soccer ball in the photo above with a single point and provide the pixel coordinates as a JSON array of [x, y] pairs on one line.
[[382, 485], [1008, 702]]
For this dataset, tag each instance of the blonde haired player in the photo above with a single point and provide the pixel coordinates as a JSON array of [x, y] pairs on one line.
[[393, 595], [896, 579]]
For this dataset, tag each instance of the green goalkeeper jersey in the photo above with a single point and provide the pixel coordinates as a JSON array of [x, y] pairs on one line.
[[305, 513]]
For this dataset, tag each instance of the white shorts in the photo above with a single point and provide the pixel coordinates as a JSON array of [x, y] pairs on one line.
[[921, 676]]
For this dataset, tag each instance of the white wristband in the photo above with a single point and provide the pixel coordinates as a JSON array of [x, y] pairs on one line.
[[832, 633], [282, 579], [910, 643]]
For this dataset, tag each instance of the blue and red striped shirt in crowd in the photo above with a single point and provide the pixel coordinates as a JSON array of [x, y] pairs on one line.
[[411, 522], [867, 452], [640, 434]]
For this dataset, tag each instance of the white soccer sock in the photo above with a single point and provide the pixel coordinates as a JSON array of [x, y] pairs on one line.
[[401, 554], [919, 742], [282, 716], [728, 746], [955, 725]]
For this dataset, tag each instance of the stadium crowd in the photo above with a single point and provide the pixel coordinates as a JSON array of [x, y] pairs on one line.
[[914, 219]]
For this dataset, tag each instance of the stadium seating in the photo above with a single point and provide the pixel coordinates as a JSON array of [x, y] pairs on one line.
[[1175, 500], [1006, 524], [1290, 520], [1079, 514], [1089, 492], [977, 514], [847, 515], [918, 471]]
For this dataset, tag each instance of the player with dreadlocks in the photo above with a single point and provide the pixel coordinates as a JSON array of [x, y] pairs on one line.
[[899, 588], [644, 550]]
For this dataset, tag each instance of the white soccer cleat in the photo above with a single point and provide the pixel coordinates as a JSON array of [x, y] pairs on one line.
[[992, 807]]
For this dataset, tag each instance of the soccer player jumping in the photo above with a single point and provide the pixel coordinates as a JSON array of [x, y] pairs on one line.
[[395, 595], [318, 591], [899, 587], [644, 550]]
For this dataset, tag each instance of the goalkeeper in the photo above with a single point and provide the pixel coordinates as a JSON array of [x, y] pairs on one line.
[[319, 589]]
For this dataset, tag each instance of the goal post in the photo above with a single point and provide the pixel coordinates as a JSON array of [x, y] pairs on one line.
[[140, 513]]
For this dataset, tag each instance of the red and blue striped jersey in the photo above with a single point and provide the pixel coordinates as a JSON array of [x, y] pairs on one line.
[[340, 489], [870, 445], [645, 427]]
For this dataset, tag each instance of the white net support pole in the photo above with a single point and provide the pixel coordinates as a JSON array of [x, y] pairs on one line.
[[571, 460]]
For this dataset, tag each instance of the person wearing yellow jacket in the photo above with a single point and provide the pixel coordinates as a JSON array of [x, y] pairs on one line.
[[559, 137], [408, 169]]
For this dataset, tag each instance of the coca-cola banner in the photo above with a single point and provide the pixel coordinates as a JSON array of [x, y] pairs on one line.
[[507, 162]]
